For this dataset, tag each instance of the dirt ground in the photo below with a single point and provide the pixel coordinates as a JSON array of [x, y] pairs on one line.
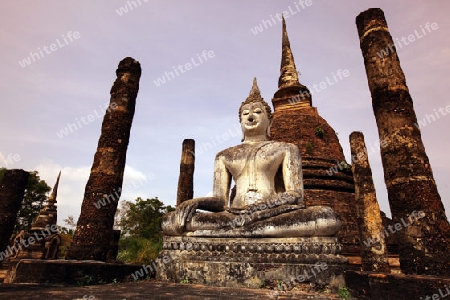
[[145, 290]]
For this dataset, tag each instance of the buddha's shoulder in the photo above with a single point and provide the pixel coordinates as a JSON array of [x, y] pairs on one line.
[[247, 147], [282, 144], [287, 147], [230, 151]]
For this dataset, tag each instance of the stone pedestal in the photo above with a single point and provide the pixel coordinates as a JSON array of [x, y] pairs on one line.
[[248, 262]]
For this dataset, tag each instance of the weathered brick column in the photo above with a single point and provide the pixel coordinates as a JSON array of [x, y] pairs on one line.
[[94, 235], [424, 244], [186, 180], [12, 190], [373, 245]]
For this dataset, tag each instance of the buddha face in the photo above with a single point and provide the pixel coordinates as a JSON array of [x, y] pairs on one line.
[[254, 119]]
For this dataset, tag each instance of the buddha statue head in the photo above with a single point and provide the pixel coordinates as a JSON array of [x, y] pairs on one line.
[[255, 115]]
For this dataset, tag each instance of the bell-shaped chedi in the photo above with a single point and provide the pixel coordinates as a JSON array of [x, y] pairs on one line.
[[327, 180], [43, 233], [48, 215], [44, 226]]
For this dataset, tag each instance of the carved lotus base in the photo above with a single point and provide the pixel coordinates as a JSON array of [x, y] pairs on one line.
[[247, 262]]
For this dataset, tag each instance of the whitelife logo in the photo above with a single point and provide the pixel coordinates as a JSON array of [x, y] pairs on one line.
[[46, 50]]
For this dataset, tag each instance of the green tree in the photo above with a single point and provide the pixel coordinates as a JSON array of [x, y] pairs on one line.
[[35, 195], [33, 201], [66, 234], [140, 223], [69, 229]]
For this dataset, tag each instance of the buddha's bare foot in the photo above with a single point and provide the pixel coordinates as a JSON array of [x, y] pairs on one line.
[[237, 211], [174, 223], [185, 211]]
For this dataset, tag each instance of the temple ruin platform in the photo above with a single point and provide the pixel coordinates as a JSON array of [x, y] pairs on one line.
[[69, 271], [249, 262]]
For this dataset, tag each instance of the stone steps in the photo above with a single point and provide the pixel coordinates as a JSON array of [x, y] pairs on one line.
[[394, 263]]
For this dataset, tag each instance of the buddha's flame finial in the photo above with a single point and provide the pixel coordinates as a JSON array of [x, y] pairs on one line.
[[254, 92], [255, 96]]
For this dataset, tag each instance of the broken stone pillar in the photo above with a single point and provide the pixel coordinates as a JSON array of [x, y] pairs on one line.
[[12, 190], [186, 179], [372, 237], [94, 233], [413, 196]]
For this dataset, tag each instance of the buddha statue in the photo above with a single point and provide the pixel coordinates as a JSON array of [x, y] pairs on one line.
[[267, 200]]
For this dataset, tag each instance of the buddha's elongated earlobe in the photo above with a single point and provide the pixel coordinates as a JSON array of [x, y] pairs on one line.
[[268, 129]]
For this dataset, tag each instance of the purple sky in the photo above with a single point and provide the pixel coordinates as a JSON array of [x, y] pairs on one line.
[[71, 79]]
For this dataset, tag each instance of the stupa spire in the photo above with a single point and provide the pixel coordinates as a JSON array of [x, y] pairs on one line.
[[52, 198], [48, 214], [291, 93], [288, 71]]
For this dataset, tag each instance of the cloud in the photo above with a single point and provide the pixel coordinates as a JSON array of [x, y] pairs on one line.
[[73, 182]]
